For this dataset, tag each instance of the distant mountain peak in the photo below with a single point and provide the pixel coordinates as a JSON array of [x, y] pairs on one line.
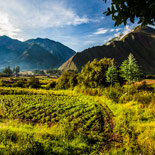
[[5, 37], [62, 52]]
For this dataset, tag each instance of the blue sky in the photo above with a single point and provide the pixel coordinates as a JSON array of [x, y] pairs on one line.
[[79, 24]]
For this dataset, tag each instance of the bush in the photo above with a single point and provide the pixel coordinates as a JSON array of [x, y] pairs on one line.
[[33, 83], [114, 92], [144, 86], [93, 74], [67, 80], [20, 83], [51, 85]]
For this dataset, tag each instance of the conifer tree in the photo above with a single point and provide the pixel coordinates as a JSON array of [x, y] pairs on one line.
[[111, 74], [130, 70]]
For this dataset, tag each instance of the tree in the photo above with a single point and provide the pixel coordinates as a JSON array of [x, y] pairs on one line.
[[39, 72], [50, 85], [130, 69], [93, 73], [111, 74], [122, 10], [7, 71], [16, 70], [67, 80], [54, 71], [33, 83]]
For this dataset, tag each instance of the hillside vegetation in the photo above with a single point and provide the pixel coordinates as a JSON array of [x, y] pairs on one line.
[[104, 109], [140, 42], [65, 122]]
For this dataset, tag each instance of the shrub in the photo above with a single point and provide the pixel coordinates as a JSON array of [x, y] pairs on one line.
[[114, 92], [20, 83], [51, 85], [33, 83], [93, 74], [144, 86], [67, 80]]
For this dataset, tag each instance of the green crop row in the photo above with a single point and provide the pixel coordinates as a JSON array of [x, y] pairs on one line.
[[80, 112]]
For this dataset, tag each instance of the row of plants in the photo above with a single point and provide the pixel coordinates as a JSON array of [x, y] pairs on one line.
[[51, 109], [82, 120]]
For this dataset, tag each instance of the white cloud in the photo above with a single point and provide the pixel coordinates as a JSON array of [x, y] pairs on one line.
[[112, 30], [100, 31], [117, 34], [127, 30], [123, 31], [7, 28], [103, 31], [18, 16], [118, 29], [102, 18]]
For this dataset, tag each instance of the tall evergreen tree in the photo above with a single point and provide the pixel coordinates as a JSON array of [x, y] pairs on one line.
[[130, 70], [17, 70], [111, 74], [7, 71]]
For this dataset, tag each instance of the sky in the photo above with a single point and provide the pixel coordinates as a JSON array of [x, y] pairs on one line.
[[78, 24]]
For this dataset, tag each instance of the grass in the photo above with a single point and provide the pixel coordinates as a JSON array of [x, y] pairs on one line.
[[18, 138], [66, 122], [135, 123], [51, 122]]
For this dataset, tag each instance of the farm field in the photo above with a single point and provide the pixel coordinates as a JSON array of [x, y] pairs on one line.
[[42, 79], [51, 123], [148, 81], [39, 121]]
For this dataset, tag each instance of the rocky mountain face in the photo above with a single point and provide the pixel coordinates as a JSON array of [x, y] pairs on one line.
[[140, 42], [33, 54]]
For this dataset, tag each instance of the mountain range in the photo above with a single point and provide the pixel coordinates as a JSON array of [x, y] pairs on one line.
[[140, 42], [33, 54], [47, 54]]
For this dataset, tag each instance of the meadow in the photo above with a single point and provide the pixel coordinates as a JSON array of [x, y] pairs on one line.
[[79, 121]]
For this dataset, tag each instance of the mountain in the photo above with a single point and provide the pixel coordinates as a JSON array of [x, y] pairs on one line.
[[60, 51], [33, 54], [36, 57], [140, 42]]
